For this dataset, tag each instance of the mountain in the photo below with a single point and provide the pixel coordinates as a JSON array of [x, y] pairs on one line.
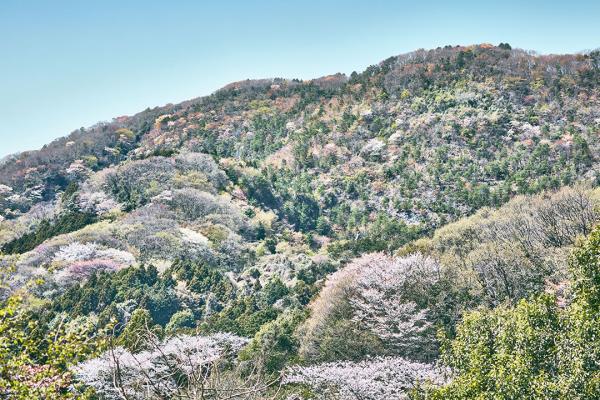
[[297, 222]]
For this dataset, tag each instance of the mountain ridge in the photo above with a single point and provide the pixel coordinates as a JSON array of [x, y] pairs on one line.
[[271, 80]]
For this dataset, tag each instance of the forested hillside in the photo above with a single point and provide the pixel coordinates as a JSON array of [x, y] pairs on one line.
[[422, 229]]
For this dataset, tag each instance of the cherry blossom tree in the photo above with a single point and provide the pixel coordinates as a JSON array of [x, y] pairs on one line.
[[97, 202], [78, 251], [85, 259], [84, 269], [4, 190], [374, 295], [187, 367], [381, 378], [380, 299]]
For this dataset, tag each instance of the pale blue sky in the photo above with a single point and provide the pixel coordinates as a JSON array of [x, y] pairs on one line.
[[67, 64]]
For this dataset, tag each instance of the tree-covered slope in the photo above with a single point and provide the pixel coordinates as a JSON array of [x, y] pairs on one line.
[[300, 231]]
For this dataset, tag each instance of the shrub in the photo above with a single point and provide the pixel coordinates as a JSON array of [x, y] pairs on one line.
[[275, 344], [181, 319]]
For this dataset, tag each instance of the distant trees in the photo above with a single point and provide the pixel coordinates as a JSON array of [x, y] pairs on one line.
[[382, 234], [124, 226], [96, 202], [302, 211], [268, 132], [66, 222], [135, 183], [103, 292], [77, 261], [193, 204], [517, 250], [259, 191]]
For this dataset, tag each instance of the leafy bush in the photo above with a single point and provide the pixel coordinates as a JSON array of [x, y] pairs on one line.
[[180, 320], [275, 344], [35, 358]]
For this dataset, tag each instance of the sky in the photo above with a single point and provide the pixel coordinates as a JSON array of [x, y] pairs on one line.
[[70, 64]]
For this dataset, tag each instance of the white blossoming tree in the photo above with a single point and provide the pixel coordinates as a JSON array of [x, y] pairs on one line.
[[374, 296], [185, 367], [380, 378], [380, 299]]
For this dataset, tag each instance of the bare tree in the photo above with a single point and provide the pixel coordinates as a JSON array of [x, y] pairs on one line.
[[180, 367]]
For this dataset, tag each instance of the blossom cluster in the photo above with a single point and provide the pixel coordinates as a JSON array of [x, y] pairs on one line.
[[380, 297], [380, 378], [161, 371], [84, 259]]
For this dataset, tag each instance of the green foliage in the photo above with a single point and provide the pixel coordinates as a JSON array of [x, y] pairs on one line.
[[138, 332], [273, 290], [243, 316], [275, 344], [343, 339], [162, 152], [384, 234], [268, 135], [585, 269], [463, 57], [535, 350], [181, 320], [302, 211], [328, 169], [347, 121], [507, 353], [259, 191], [203, 279], [162, 302], [140, 285], [66, 222], [35, 357]]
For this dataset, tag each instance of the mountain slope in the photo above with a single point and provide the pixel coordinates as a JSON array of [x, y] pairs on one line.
[[469, 126], [229, 213]]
